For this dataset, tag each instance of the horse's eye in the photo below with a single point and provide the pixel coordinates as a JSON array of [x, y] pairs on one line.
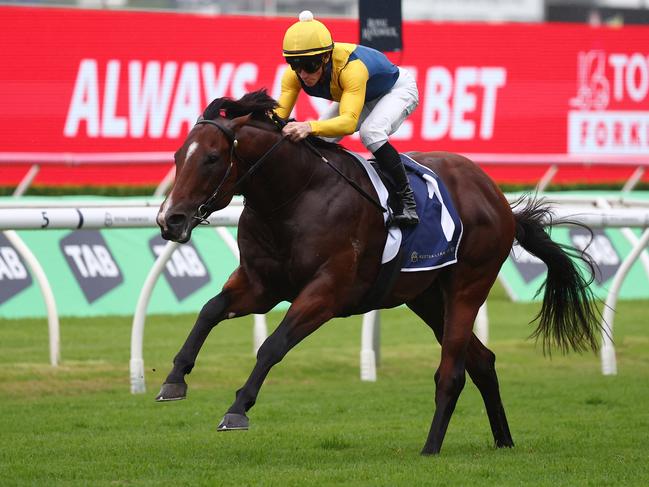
[[212, 158]]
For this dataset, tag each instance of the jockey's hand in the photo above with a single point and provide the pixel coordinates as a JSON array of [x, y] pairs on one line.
[[297, 131]]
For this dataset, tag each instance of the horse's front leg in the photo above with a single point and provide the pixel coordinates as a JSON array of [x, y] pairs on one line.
[[238, 298], [312, 308]]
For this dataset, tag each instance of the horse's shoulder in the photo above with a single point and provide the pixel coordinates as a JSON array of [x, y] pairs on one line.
[[252, 225]]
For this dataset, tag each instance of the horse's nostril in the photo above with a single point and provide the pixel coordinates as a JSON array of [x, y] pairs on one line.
[[176, 219]]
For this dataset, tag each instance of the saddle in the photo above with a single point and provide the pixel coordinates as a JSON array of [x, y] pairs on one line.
[[432, 244]]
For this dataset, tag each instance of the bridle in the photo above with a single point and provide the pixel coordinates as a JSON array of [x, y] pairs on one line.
[[204, 210]]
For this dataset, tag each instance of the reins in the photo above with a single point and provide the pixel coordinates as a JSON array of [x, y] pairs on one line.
[[351, 182], [204, 210]]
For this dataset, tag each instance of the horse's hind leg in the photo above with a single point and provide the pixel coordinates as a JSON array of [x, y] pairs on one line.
[[481, 365], [464, 291], [449, 377]]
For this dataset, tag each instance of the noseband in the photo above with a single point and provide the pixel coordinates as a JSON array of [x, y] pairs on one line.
[[209, 206]]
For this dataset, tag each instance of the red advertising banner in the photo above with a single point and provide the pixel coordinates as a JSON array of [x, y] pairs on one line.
[[80, 81]]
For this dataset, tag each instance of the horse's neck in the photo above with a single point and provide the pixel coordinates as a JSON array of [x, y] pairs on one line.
[[284, 175]]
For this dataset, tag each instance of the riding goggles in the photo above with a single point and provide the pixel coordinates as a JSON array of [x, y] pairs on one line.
[[309, 64]]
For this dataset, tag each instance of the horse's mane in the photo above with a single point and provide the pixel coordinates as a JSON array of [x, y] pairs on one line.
[[257, 103], [260, 105]]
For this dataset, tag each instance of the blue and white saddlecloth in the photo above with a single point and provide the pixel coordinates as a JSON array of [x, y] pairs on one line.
[[434, 242]]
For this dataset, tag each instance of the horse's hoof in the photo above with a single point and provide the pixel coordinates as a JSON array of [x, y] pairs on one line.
[[426, 452], [172, 392], [232, 422]]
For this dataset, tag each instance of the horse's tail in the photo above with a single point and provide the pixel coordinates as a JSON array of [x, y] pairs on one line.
[[569, 317]]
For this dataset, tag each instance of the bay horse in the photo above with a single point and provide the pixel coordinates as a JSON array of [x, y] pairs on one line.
[[309, 237]]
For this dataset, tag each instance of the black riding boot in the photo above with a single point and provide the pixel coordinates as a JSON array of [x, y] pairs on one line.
[[405, 213]]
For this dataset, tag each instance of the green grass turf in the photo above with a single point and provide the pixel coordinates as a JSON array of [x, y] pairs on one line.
[[315, 422]]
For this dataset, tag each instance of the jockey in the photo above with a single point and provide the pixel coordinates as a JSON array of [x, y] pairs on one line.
[[372, 96]]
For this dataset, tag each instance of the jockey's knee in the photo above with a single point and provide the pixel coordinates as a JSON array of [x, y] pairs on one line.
[[372, 138]]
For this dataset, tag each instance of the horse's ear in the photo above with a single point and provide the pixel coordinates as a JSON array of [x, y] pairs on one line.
[[241, 121]]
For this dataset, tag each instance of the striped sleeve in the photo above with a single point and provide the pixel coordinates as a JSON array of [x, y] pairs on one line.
[[353, 80], [290, 89]]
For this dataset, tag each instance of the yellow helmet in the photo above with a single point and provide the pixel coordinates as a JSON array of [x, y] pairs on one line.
[[307, 37]]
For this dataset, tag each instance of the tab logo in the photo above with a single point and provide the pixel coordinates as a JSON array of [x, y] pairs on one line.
[[185, 271], [601, 249], [529, 266], [92, 263], [14, 276]]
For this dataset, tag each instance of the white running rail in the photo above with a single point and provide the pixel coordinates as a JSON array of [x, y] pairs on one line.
[[21, 218]]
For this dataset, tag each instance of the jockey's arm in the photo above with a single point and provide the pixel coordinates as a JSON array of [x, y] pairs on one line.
[[353, 80], [290, 90]]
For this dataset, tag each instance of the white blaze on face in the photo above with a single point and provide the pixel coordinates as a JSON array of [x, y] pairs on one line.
[[167, 204], [162, 215], [192, 148]]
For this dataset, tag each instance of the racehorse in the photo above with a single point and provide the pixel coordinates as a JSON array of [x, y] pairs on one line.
[[308, 236]]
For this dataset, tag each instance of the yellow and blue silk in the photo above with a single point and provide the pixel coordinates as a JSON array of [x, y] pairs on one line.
[[355, 75]]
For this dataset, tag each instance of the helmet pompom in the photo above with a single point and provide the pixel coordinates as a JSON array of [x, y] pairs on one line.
[[306, 16], [307, 37]]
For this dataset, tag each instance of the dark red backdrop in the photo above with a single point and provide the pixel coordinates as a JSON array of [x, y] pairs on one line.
[[75, 81]]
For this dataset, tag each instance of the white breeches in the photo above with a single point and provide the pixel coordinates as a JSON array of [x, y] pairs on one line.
[[382, 116]]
